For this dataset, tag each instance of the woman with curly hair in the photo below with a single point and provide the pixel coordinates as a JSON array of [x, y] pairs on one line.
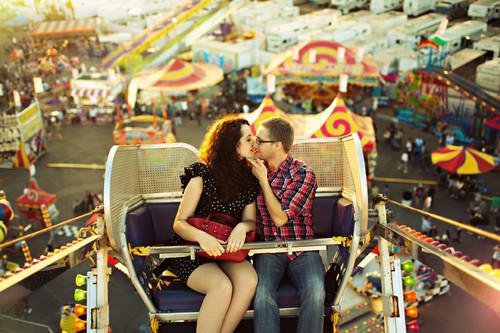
[[222, 182]]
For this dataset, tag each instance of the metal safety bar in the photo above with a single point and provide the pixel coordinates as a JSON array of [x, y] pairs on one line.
[[452, 222], [479, 284], [254, 247], [98, 210]]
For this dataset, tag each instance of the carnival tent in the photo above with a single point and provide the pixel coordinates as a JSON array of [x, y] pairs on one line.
[[267, 109], [68, 28], [336, 120], [175, 78], [179, 76], [317, 61], [462, 160]]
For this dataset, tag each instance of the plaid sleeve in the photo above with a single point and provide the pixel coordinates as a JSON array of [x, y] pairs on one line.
[[296, 196]]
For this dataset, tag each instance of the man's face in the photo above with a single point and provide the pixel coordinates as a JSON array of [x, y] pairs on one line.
[[264, 146]]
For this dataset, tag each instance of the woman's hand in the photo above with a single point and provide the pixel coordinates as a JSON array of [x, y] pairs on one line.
[[259, 169], [211, 245], [236, 238]]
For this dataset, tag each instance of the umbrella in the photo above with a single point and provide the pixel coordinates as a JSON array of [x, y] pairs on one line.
[[462, 160]]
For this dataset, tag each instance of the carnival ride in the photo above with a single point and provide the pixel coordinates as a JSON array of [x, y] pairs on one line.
[[144, 129], [322, 61], [195, 17], [132, 225], [433, 96]]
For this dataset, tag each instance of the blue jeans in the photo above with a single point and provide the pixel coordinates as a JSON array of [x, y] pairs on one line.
[[307, 274]]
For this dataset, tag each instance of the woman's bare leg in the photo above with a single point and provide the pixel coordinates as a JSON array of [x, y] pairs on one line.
[[244, 281], [210, 280]]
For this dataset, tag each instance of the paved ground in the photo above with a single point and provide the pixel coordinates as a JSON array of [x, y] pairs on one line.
[[454, 312]]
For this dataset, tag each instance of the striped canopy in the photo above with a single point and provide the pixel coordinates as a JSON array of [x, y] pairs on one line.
[[179, 76], [67, 28], [462, 160]]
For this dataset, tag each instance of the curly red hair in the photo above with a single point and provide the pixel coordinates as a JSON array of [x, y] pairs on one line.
[[219, 151]]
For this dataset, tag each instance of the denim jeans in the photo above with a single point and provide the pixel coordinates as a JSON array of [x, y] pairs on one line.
[[307, 274]]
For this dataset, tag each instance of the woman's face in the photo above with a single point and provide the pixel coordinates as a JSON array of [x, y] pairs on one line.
[[245, 145]]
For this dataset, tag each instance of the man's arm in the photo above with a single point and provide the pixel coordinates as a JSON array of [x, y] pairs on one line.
[[273, 205], [280, 218], [293, 199], [296, 196]]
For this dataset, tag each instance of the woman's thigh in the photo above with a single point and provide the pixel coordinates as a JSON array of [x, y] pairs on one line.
[[207, 276], [240, 272]]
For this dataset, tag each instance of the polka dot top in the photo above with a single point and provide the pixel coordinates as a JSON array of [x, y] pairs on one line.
[[209, 202]]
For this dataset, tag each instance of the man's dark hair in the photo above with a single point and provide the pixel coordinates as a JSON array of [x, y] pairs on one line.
[[281, 130]]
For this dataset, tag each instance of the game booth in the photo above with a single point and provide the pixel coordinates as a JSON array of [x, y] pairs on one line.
[[22, 137], [94, 95]]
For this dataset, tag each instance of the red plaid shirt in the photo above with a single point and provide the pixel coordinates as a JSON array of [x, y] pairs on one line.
[[294, 185]]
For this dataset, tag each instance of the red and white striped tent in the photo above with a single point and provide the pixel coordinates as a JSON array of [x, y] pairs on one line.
[[68, 28]]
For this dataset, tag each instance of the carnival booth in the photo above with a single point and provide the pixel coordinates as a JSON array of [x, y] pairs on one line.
[[94, 93], [31, 202], [22, 137]]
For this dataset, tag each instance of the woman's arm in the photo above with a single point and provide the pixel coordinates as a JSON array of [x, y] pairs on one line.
[[187, 208], [248, 217], [237, 237]]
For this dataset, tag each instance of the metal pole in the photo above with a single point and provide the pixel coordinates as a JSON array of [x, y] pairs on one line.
[[97, 302], [394, 320]]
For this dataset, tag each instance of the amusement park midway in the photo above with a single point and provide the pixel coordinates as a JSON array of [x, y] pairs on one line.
[[89, 144], [415, 97]]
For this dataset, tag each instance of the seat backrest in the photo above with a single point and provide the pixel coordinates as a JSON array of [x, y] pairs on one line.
[[163, 216], [324, 211], [332, 216], [344, 222]]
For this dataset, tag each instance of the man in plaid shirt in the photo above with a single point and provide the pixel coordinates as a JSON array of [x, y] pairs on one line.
[[285, 213]]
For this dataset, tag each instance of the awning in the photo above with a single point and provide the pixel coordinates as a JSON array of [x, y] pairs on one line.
[[90, 93], [67, 28]]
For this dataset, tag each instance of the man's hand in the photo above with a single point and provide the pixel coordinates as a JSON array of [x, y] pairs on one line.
[[211, 245], [236, 238], [259, 169]]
